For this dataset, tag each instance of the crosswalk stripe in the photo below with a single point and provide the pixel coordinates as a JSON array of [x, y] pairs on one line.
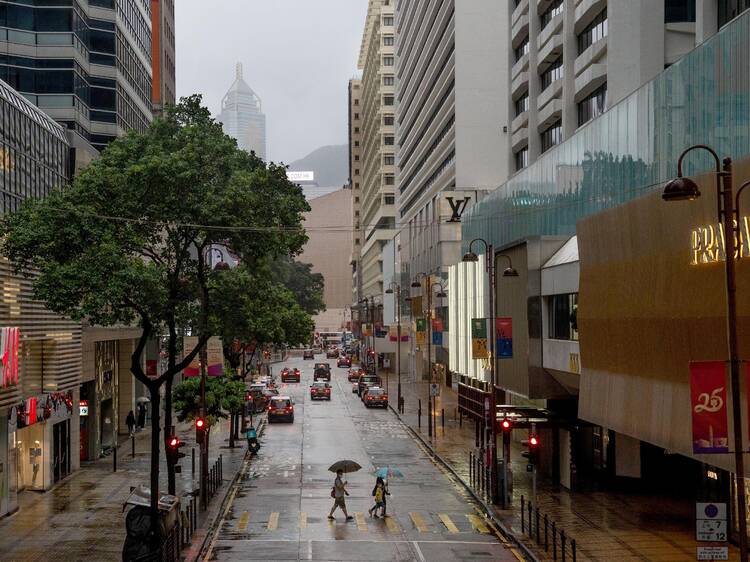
[[478, 524], [418, 521], [244, 519], [393, 527], [361, 523], [448, 523], [303, 520], [273, 521]]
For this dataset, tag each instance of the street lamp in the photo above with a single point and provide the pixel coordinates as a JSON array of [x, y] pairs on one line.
[[685, 189], [509, 271], [396, 288], [441, 295]]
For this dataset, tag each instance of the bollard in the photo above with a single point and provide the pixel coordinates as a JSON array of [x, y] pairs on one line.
[[538, 536], [442, 417], [573, 548], [114, 459], [562, 544], [471, 469], [523, 518], [554, 541], [132, 442], [546, 537], [460, 419], [419, 414], [221, 467], [193, 461]]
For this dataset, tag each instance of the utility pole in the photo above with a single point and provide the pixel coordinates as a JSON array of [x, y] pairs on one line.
[[429, 354], [204, 444]]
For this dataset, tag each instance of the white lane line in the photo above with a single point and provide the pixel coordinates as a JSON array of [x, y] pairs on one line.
[[419, 551], [309, 550]]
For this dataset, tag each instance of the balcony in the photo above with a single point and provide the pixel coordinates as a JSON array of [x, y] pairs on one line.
[[550, 53], [589, 80], [521, 120], [549, 114], [520, 65], [520, 10], [553, 28], [519, 31], [552, 91], [595, 53], [519, 139], [586, 11], [519, 84]]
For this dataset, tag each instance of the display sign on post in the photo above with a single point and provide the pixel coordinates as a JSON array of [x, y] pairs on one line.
[[504, 337], [479, 338], [712, 553], [708, 404], [9, 353], [194, 369], [711, 522], [421, 331]]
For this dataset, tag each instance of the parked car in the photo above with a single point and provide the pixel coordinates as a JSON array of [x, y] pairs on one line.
[[320, 390], [332, 353], [344, 361], [290, 375], [281, 407], [354, 374], [375, 396], [367, 380], [322, 371]]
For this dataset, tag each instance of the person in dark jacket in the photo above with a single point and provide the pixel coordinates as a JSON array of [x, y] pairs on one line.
[[141, 415], [130, 422]]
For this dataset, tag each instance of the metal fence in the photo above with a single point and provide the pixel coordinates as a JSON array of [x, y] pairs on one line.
[[545, 532]]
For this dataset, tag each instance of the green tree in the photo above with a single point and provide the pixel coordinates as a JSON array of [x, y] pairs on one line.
[[299, 278], [129, 241], [224, 395]]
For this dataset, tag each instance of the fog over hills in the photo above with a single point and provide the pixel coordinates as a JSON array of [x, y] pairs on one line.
[[330, 164]]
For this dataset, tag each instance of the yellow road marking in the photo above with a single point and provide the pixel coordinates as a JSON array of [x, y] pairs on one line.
[[448, 523], [517, 555], [361, 523], [273, 521], [393, 527], [478, 524], [244, 519], [303, 520], [418, 521]]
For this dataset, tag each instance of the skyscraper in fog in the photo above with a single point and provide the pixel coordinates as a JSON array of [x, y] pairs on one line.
[[242, 116]]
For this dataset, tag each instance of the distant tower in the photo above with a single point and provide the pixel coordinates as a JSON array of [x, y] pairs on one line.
[[242, 116]]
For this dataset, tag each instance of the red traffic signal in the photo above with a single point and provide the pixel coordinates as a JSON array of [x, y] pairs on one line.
[[533, 441], [174, 442], [200, 430], [200, 423], [506, 425]]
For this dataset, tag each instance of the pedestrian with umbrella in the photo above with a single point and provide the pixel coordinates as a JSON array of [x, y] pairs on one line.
[[339, 492], [383, 474]]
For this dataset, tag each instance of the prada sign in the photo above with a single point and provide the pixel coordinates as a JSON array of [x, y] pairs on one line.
[[707, 243]]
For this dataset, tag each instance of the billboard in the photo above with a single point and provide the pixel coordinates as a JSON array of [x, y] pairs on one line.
[[300, 176]]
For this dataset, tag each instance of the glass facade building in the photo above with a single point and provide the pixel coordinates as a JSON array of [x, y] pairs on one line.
[[632, 148], [33, 151]]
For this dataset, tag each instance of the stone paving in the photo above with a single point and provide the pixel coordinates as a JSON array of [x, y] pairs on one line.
[[606, 525]]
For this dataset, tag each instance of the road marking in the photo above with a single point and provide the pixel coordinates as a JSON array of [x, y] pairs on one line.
[[448, 523], [419, 552], [361, 523], [309, 550], [478, 524], [244, 519], [393, 527], [516, 554], [286, 474], [273, 521], [418, 521], [303, 520]]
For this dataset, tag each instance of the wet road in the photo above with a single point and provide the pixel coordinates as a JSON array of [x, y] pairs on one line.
[[278, 508]]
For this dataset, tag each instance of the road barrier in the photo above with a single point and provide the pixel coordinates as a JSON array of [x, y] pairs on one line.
[[538, 528]]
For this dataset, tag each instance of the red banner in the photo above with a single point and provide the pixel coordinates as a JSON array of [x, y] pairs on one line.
[[708, 404]]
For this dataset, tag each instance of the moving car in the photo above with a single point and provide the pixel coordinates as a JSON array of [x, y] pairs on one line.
[[355, 388], [320, 390], [281, 407], [354, 374], [322, 371], [375, 396], [344, 361], [288, 375], [308, 354], [367, 380], [332, 353]]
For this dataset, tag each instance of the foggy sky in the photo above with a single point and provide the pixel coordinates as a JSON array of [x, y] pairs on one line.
[[298, 56]]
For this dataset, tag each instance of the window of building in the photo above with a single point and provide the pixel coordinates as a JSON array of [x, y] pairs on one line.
[[389, 159], [389, 199], [521, 158], [522, 104], [388, 100], [521, 50], [356, 143], [677, 11], [387, 60], [555, 8], [552, 136], [563, 317], [388, 21], [593, 32], [356, 115], [388, 40], [388, 140], [388, 120], [356, 199], [356, 171], [356, 102], [389, 179], [388, 80], [356, 185], [554, 72], [356, 157], [593, 105], [730, 9], [356, 241], [356, 129]]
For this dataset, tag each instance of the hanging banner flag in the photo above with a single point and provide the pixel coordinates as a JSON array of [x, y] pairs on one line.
[[437, 338], [708, 404], [416, 306], [437, 325], [215, 357], [9, 353], [392, 333], [188, 345], [479, 338], [421, 331], [504, 337]]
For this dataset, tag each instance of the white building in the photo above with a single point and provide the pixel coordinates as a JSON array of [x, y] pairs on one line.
[[242, 116]]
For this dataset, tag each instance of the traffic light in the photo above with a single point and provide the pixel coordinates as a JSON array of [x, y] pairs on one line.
[[506, 425], [532, 454], [200, 430], [173, 452]]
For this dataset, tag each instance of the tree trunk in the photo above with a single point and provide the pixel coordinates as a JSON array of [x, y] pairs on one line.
[[171, 481], [155, 406], [231, 431]]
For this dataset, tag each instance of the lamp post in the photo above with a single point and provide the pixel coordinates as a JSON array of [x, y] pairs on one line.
[[508, 272], [682, 189], [441, 294], [396, 288], [366, 302]]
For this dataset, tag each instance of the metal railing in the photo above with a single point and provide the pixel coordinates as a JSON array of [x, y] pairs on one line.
[[546, 533]]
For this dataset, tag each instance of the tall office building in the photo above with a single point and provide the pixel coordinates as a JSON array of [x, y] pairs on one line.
[[378, 144], [242, 116], [452, 106], [355, 182], [571, 61], [86, 64], [163, 53]]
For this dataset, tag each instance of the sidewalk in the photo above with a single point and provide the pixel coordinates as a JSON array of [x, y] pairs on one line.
[[606, 525], [82, 519]]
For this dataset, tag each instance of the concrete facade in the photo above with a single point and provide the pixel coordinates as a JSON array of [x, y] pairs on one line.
[[164, 86], [355, 183]]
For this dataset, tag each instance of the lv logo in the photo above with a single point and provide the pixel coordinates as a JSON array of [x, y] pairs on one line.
[[457, 208]]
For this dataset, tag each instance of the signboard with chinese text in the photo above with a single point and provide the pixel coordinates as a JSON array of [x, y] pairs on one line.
[[708, 405]]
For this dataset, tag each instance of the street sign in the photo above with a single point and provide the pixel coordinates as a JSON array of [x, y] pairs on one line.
[[714, 530], [712, 553], [710, 510], [434, 389]]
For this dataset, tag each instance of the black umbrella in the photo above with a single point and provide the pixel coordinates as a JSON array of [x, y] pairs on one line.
[[346, 466]]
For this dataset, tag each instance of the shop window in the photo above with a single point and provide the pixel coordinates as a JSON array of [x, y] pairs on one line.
[[563, 317]]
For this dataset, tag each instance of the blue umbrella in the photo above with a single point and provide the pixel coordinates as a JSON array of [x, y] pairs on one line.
[[389, 472]]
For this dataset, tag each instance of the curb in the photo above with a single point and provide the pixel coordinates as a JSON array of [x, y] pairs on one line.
[[196, 552], [487, 510]]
